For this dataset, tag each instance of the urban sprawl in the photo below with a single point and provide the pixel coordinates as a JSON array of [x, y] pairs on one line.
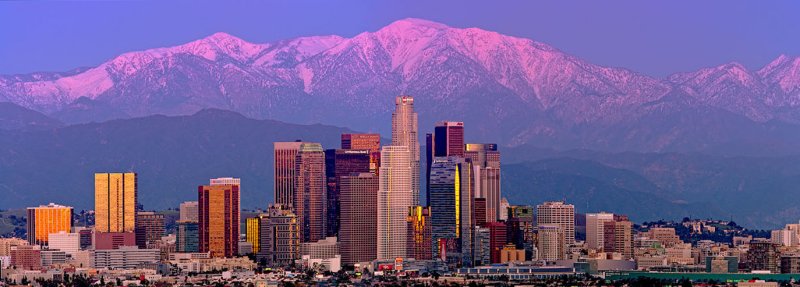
[[363, 214]]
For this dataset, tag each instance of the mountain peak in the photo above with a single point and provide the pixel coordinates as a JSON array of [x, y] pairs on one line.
[[221, 42], [416, 23]]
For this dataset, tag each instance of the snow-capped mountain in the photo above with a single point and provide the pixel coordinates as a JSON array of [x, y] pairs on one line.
[[506, 89]]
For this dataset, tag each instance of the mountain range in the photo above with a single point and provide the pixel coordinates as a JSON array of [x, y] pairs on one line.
[[174, 154], [509, 90]]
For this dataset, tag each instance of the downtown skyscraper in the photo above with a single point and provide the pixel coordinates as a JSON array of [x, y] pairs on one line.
[[486, 160], [219, 214], [451, 209], [404, 133], [395, 196], [115, 202], [285, 156], [357, 234], [310, 202]]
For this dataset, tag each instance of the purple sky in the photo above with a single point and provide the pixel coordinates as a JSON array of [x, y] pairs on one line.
[[652, 37]]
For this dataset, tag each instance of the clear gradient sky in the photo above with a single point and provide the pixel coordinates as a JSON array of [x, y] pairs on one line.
[[652, 37]]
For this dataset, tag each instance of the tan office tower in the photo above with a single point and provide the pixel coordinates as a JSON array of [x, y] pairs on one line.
[[189, 211], [279, 237], [394, 198], [595, 223], [115, 202], [310, 188], [358, 196], [218, 211], [551, 243], [285, 157], [47, 219], [558, 213], [486, 160], [404, 133]]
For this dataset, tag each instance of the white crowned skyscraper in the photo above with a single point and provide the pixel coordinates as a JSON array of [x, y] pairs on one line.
[[394, 198], [404, 133]]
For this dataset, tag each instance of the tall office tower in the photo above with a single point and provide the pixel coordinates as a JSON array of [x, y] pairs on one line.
[[219, 218], [448, 139], [280, 236], [555, 212], [47, 219], [594, 229], [189, 211], [451, 208], [429, 155], [551, 242], [115, 202], [395, 196], [285, 156], [486, 158], [479, 211], [419, 230], [149, 228], [618, 236], [404, 133], [520, 228], [370, 142], [310, 192], [253, 232], [338, 163], [187, 237], [358, 230], [497, 239]]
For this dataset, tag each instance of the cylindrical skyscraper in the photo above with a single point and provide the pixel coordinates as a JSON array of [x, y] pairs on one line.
[[404, 133]]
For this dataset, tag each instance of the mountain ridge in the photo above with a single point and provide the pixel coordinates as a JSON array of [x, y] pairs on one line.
[[536, 92]]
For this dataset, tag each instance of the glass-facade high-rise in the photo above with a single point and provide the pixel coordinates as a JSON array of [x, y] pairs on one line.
[[451, 209], [187, 238], [115, 202], [310, 192], [404, 133], [46, 219]]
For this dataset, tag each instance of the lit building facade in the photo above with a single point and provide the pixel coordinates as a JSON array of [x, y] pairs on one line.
[[420, 234], [47, 219], [115, 196], [369, 142], [594, 229], [219, 219]]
